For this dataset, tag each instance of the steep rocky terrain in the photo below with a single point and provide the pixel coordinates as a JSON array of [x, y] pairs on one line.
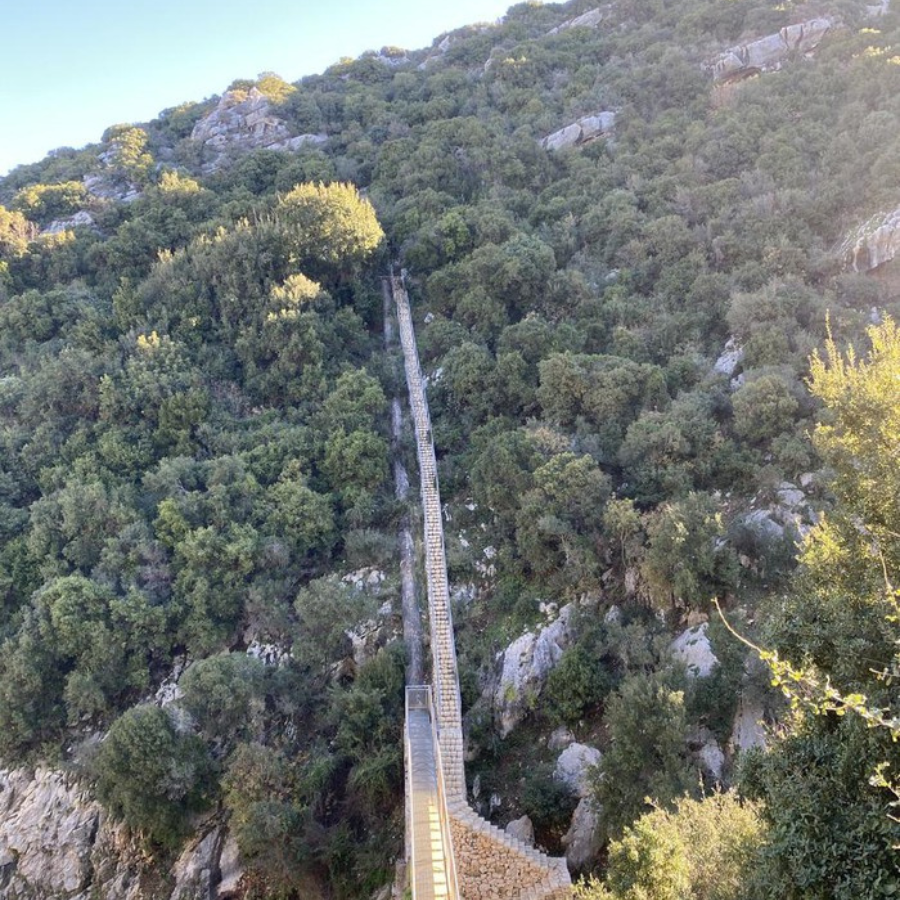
[[629, 232]]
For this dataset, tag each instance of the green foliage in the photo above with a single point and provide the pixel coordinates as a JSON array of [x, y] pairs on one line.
[[706, 849], [43, 202], [647, 756], [560, 517], [830, 831], [223, 695], [326, 608], [15, 234], [193, 419], [686, 563], [578, 682], [262, 794], [128, 155], [150, 774], [328, 228], [547, 801], [764, 408], [820, 781]]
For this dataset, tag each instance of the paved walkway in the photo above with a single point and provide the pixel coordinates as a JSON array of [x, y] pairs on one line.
[[429, 867]]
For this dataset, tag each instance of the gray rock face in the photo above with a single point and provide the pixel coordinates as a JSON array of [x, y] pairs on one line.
[[573, 765], [525, 665], [105, 187], [769, 53], [732, 356], [591, 19], [197, 870], [560, 738], [230, 869], [873, 243], [693, 649], [748, 730], [790, 516], [57, 843], [521, 829], [47, 830], [81, 219], [242, 121], [582, 841], [712, 758], [581, 131]]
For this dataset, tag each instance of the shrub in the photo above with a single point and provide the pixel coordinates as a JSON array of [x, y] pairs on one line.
[[705, 849], [578, 682], [647, 757], [150, 774]]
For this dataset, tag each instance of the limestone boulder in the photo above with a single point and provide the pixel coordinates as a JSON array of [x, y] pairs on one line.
[[730, 359], [692, 647], [573, 767], [591, 19], [81, 219], [196, 872], [107, 186], [47, 830], [749, 729], [582, 841], [521, 829], [770, 52], [243, 121], [581, 131], [560, 738], [524, 668], [874, 243], [712, 758]]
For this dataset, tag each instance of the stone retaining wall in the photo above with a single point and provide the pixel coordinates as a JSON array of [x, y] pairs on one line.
[[493, 865]]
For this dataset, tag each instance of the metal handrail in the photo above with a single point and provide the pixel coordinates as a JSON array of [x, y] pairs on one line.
[[420, 697], [446, 831]]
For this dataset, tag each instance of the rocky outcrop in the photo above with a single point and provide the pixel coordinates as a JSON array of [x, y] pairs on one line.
[[770, 52], [242, 121], [81, 219], [524, 668], [591, 19], [196, 872], [748, 730], [788, 517], [873, 243], [522, 830], [57, 842], [560, 738], [106, 186], [692, 648], [583, 840], [47, 831], [712, 758], [730, 359], [573, 768], [581, 131]]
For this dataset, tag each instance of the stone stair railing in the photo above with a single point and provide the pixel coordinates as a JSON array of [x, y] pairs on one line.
[[488, 863], [443, 647]]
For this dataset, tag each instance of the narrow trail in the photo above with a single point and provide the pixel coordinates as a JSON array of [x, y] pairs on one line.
[[412, 616]]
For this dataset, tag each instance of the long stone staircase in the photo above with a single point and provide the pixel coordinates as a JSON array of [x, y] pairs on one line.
[[452, 852]]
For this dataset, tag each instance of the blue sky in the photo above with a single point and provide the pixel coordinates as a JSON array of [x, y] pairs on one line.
[[70, 68]]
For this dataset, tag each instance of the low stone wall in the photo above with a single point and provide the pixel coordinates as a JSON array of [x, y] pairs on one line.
[[493, 865]]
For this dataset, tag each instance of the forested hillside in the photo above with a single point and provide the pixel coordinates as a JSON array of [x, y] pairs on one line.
[[650, 249]]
